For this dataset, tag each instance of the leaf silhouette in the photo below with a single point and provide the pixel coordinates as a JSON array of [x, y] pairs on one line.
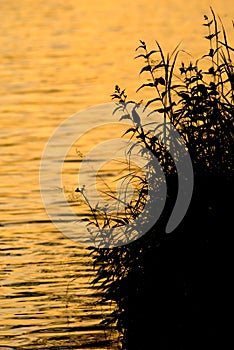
[[165, 109], [141, 55], [143, 46], [117, 109], [208, 24], [161, 81], [145, 85], [125, 116], [211, 36], [136, 117], [114, 96], [146, 69], [151, 101], [129, 130], [150, 53]]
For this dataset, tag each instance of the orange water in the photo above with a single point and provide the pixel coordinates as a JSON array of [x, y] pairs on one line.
[[58, 57]]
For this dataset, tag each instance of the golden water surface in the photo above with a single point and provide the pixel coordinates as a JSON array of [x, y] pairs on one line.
[[58, 57]]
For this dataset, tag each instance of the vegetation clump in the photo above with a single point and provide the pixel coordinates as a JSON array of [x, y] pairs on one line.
[[169, 291]]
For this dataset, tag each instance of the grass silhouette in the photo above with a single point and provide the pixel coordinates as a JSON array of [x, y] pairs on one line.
[[170, 291]]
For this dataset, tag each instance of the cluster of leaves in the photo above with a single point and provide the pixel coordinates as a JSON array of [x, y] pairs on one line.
[[198, 100]]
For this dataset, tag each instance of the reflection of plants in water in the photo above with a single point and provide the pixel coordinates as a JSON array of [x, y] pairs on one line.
[[198, 101]]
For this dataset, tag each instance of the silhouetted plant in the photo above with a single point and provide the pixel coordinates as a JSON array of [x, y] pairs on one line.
[[197, 99]]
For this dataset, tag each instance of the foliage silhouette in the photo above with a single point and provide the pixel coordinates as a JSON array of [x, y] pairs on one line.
[[170, 291]]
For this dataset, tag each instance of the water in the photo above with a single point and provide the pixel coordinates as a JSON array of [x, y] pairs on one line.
[[58, 58]]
